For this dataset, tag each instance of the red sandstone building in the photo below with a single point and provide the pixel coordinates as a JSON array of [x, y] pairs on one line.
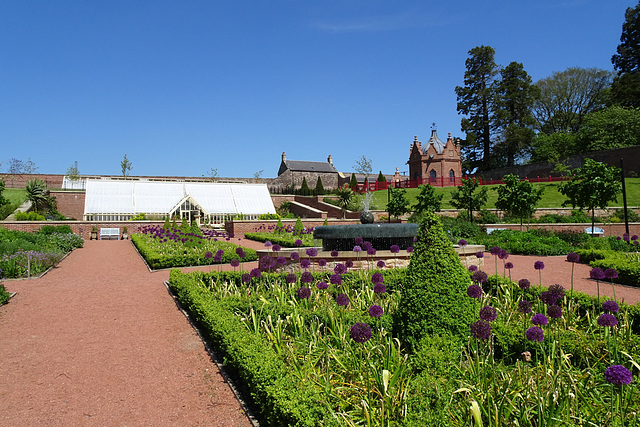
[[437, 163]]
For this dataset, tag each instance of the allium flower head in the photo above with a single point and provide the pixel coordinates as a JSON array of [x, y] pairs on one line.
[[538, 265], [267, 244], [306, 277], [235, 262], [494, 250], [394, 249], [357, 248], [462, 243], [294, 256], [573, 257], [488, 313], [276, 248], [336, 279], [208, 254], [238, 250], [348, 263], [377, 278], [479, 276], [281, 260], [340, 268], [535, 333], [524, 306], [342, 300], [508, 265], [607, 320], [255, 273], [539, 319], [625, 237], [312, 252], [479, 254], [610, 306], [474, 291], [375, 311], [557, 290], [610, 273], [596, 273], [322, 262], [366, 245], [634, 237], [503, 254], [410, 249], [379, 288], [473, 268], [334, 253], [554, 311], [481, 329], [322, 285], [246, 278], [360, 332], [305, 263], [380, 264], [358, 240], [548, 298], [524, 284], [304, 292], [618, 375], [291, 278], [371, 251]]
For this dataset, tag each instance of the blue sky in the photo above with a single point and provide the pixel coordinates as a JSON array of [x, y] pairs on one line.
[[182, 87]]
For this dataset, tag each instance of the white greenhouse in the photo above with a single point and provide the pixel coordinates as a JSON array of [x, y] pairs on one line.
[[214, 203]]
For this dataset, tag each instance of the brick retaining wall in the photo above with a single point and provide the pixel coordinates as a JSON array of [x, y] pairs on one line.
[[70, 203], [617, 229], [83, 228]]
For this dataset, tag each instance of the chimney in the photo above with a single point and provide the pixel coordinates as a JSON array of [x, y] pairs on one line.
[[284, 156], [330, 160]]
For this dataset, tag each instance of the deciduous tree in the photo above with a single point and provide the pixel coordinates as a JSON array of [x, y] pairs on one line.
[[126, 166], [469, 196], [398, 204], [427, 200], [518, 198]]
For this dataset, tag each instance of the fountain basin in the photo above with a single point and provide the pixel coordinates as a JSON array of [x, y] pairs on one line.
[[382, 236]]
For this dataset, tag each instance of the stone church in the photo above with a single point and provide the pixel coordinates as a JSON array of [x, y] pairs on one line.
[[437, 163]]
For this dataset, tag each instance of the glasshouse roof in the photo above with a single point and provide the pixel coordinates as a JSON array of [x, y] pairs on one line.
[[135, 197]]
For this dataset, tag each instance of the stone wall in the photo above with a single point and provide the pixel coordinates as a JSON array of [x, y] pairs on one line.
[[289, 178]]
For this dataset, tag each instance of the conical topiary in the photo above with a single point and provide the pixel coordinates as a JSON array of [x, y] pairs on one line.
[[434, 300]]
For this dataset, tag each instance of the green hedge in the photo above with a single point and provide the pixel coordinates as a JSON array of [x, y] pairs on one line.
[[4, 295], [286, 240], [280, 398]]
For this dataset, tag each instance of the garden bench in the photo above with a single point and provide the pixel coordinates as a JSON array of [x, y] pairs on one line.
[[596, 231], [491, 230], [109, 234]]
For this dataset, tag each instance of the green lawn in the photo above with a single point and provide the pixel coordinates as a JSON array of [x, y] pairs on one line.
[[551, 198], [15, 195]]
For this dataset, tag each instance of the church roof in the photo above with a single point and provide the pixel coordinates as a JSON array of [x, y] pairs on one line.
[[437, 142]]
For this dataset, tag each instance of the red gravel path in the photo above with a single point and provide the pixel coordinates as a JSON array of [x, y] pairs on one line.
[[558, 270], [99, 341]]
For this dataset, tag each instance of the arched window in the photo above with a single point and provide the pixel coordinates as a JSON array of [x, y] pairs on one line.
[[452, 176], [432, 175]]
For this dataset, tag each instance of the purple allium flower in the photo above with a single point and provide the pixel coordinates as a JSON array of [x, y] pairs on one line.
[[524, 306], [266, 262], [312, 252], [298, 242], [235, 262], [255, 273], [625, 237], [479, 254], [557, 290], [508, 265], [479, 276], [276, 248], [375, 311], [336, 279], [208, 254], [291, 278], [634, 237], [267, 244], [340, 269], [495, 251], [342, 300], [481, 329], [610, 306], [242, 254], [366, 245], [474, 291], [377, 278], [573, 257], [380, 264], [306, 277], [238, 250], [618, 375], [473, 268], [535, 333], [539, 319], [294, 256], [554, 311], [488, 313], [410, 249], [334, 253], [618, 238], [281, 260], [548, 298], [462, 243], [348, 263], [322, 262], [611, 273], [394, 249], [607, 319], [305, 263], [357, 248], [538, 265], [371, 251], [304, 292], [596, 273], [415, 239], [358, 240], [322, 285], [524, 284], [246, 277], [360, 332], [503, 254], [379, 288]]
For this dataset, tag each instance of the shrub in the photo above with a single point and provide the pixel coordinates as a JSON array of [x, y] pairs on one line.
[[574, 238], [29, 216], [4, 295], [434, 299], [6, 210], [298, 228], [50, 229]]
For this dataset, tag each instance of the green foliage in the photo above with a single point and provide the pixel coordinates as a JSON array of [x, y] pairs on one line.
[[139, 217], [125, 166], [469, 196], [381, 177], [304, 188], [166, 225], [29, 216], [38, 195], [284, 239], [626, 85], [428, 200], [608, 129], [279, 227], [399, 204], [345, 195], [4, 295], [532, 242], [434, 297], [50, 229], [72, 173], [319, 190], [353, 183], [3, 201], [184, 225], [195, 229], [518, 198]]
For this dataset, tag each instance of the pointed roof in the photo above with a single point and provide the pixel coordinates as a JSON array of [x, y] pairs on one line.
[[436, 141]]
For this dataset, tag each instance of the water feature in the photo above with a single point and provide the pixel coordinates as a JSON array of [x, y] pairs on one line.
[[381, 235]]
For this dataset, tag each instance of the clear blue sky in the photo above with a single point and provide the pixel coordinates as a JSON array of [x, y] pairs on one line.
[[185, 86]]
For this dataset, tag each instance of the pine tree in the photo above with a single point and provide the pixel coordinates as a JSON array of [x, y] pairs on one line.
[[319, 190], [625, 90], [304, 188], [353, 184], [381, 177]]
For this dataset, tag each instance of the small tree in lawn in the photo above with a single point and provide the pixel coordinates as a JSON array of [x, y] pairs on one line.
[[592, 186], [469, 197], [427, 200], [319, 190], [398, 203], [518, 198], [344, 198]]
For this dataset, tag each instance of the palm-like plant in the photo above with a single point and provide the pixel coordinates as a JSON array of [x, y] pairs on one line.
[[345, 194], [38, 195]]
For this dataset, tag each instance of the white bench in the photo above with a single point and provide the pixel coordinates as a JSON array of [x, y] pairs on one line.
[[596, 231], [109, 234]]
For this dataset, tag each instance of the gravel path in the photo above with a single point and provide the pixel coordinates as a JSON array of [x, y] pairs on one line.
[[99, 341]]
